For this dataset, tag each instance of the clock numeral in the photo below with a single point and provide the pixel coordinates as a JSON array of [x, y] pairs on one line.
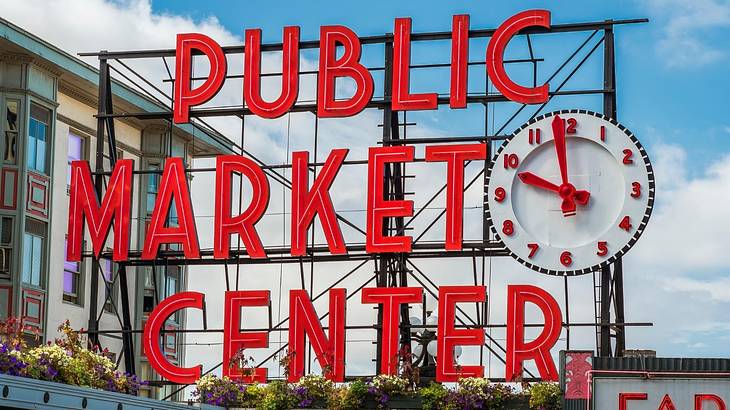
[[635, 189], [572, 123], [508, 228], [625, 224], [500, 194], [535, 136], [533, 249], [511, 161], [627, 157], [602, 248], [603, 133], [566, 258]]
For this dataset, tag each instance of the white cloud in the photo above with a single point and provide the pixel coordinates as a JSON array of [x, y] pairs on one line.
[[717, 289], [686, 26]]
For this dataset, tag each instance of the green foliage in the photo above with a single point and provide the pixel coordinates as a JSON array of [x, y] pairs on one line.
[[278, 396], [313, 391], [545, 396], [66, 360], [348, 397], [319, 392], [219, 391], [434, 395]]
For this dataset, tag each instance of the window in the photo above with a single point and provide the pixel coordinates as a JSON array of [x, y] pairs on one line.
[[32, 254], [11, 131], [75, 152], [38, 132], [107, 272], [172, 284], [71, 280], [6, 246], [153, 185]]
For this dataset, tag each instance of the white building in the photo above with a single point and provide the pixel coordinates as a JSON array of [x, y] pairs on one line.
[[48, 102]]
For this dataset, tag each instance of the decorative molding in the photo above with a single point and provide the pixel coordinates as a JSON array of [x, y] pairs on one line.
[[16, 58], [50, 68], [77, 94]]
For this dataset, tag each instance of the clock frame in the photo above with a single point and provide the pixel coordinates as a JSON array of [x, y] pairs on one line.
[[612, 198]]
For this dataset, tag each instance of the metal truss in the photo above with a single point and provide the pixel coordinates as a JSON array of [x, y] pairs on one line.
[[390, 270]]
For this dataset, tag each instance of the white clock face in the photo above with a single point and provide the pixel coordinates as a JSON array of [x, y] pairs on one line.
[[570, 192]]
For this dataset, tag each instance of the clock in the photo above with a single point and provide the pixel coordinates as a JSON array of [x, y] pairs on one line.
[[569, 192]]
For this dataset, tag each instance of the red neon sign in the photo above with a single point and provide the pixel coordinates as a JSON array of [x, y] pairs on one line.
[[307, 202], [329, 349], [348, 65]]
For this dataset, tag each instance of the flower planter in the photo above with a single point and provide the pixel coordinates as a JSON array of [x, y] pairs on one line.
[[25, 393], [397, 402], [519, 403]]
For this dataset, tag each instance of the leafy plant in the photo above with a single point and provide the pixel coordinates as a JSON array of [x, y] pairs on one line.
[[349, 397], [435, 396], [218, 391], [545, 396], [313, 391], [65, 360], [11, 361], [278, 396], [384, 387]]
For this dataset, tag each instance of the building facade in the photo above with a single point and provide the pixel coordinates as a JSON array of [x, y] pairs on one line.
[[48, 103]]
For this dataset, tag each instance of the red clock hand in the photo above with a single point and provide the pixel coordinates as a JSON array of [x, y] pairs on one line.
[[560, 148], [531, 179]]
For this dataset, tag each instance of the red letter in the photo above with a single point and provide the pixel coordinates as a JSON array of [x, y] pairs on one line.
[[539, 349], [378, 208], [151, 339], [701, 398], [391, 299], [666, 403], [289, 76], [455, 156], [84, 204], [449, 336], [495, 55], [623, 398], [347, 66], [173, 184], [184, 96], [234, 340], [402, 99], [330, 352], [459, 60], [242, 224], [305, 204]]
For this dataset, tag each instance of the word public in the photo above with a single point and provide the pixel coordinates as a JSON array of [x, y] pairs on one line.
[[348, 65]]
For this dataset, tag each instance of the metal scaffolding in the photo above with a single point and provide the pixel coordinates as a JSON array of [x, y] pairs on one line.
[[390, 270]]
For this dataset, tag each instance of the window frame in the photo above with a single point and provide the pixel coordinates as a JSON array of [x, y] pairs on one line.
[[42, 258], [6, 131], [109, 303], [84, 154], [47, 143], [78, 298]]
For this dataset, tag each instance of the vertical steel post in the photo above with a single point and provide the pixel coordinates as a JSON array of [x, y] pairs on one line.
[[98, 185], [383, 260], [127, 344], [612, 292]]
